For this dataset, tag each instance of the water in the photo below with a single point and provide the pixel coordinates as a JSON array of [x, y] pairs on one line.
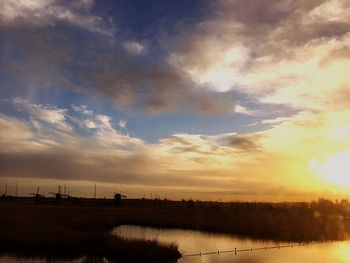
[[190, 242]]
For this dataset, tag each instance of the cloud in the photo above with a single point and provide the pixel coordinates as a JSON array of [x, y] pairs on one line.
[[243, 110], [279, 120], [154, 85], [86, 4], [249, 49], [243, 143], [223, 163], [102, 68], [122, 124], [53, 126], [39, 147], [46, 151], [341, 52], [89, 124], [46, 13], [72, 166], [82, 109], [212, 147], [189, 144], [265, 12], [134, 48], [281, 47], [15, 136], [53, 116]]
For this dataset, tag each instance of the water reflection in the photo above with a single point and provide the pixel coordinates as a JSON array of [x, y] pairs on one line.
[[195, 241], [190, 242]]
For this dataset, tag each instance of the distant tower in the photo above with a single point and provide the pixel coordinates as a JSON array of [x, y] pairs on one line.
[[16, 194], [59, 194], [37, 195]]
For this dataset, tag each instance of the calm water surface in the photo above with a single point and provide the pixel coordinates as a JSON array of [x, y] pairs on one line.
[[190, 242]]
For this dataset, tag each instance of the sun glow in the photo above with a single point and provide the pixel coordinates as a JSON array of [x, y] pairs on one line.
[[334, 169]]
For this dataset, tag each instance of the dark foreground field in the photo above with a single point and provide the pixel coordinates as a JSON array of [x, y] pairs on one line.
[[71, 229], [68, 232]]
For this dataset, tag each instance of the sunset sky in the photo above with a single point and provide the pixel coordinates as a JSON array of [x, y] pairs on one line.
[[211, 100]]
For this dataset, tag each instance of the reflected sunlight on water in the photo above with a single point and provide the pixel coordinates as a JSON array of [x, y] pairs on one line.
[[190, 242]]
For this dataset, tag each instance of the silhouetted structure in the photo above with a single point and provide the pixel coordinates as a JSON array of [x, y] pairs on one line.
[[118, 199], [16, 193], [5, 192], [37, 196], [58, 195]]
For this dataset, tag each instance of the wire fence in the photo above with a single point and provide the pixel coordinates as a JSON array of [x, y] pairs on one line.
[[238, 250]]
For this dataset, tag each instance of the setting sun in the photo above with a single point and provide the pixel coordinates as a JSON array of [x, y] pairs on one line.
[[334, 169]]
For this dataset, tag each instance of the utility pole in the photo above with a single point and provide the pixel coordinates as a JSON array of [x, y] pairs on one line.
[[5, 190], [95, 192], [16, 194]]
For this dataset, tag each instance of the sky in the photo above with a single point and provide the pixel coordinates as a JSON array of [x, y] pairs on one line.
[[211, 100]]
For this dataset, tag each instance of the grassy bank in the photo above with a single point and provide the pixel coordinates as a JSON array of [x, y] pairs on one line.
[[298, 222], [69, 232], [74, 229]]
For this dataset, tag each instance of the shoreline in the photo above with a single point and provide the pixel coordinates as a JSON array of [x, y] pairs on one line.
[[72, 229]]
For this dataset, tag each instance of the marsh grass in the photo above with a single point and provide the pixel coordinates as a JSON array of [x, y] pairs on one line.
[[69, 230], [60, 232]]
